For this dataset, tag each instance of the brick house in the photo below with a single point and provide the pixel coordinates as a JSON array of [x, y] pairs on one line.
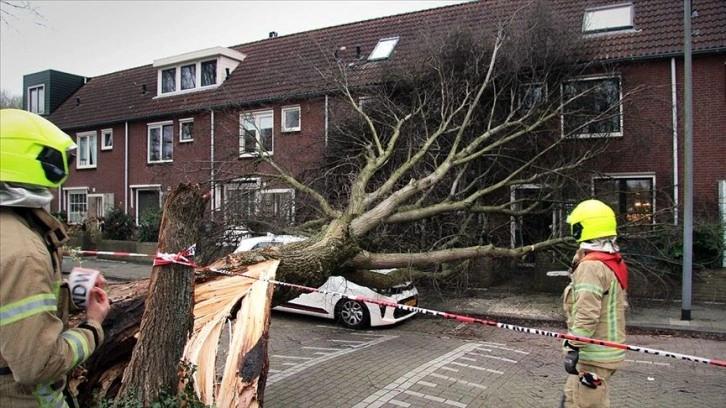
[[196, 117]]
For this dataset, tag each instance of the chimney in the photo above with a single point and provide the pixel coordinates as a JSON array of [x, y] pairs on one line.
[[273, 34]]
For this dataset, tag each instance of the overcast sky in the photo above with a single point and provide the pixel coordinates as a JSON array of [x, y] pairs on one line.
[[92, 38]]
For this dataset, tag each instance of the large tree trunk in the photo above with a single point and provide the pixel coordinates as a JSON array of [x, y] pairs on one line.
[[167, 319], [164, 328]]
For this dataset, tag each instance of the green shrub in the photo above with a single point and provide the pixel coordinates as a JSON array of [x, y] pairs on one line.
[[60, 216], [667, 246], [149, 224], [118, 225]]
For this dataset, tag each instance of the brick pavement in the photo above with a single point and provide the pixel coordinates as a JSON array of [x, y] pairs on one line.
[[442, 363]]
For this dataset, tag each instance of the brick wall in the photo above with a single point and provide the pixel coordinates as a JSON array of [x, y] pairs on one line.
[[709, 286]]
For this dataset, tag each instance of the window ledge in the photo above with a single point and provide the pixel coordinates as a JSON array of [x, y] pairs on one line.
[[187, 91]]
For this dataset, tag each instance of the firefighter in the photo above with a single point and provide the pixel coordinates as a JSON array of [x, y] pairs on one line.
[[37, 349], [594, 303]]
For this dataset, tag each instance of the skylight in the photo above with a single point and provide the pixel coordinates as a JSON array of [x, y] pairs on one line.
[[610, 18], [383, 49]]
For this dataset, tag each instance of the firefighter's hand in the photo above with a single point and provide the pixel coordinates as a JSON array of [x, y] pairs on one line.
[[98, 305], [571, 361]]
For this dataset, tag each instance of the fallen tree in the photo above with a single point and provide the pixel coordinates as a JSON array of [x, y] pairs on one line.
[[424, 176]]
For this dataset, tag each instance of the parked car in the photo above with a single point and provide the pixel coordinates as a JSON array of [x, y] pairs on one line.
[[349, 313]]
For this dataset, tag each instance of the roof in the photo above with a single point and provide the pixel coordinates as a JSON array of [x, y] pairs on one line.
[[287, 67]]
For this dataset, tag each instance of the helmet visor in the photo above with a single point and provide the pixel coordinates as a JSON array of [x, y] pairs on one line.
[[55, 164]]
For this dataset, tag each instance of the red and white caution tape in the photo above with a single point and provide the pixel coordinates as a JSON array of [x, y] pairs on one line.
[[182, 258], [467, 319], [109, 253]]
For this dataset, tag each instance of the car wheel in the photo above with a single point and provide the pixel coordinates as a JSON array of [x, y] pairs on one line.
[[352, 314]]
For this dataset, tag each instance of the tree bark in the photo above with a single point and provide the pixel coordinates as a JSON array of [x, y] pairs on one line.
[[167, 319]]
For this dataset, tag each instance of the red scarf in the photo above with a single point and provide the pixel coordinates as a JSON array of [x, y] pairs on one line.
[[614, 261]]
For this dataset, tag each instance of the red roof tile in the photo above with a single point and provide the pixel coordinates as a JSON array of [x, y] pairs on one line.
[[287, 66]]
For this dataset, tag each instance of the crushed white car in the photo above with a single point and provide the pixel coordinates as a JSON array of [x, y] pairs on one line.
[[348, 312]]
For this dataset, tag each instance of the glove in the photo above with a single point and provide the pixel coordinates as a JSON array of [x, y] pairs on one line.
[[590, 380], [571, 362], [571, 359]]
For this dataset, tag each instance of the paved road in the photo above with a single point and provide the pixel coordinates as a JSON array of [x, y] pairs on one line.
[[428, 362], [432, 362]]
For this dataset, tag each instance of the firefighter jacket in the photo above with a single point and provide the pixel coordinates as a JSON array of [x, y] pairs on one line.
[[37, 350], [595, 304]]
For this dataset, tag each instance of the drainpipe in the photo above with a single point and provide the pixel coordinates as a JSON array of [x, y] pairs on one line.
[[674, 114], [687, 165], [211, 161], [722, 204], [326, 120], [126, 167]]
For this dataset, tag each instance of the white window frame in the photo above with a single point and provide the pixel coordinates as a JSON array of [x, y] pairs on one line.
[[101, 208], [555, 229], [106, 144], [619, 103], [528, 100], [36, 99], [615, 17], [290, 218], [89, 148], [384, 48], [631, 176], [160, 126], [78, 216], [135, 189], [178, 77], [183, 122], [251, 184], [256, 116], [285, 127]]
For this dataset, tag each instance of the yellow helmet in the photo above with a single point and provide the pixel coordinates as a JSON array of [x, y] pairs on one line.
[[33, 150], [592, 219]]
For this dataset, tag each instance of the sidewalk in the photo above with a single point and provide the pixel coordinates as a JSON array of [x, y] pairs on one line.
[[506, 305]]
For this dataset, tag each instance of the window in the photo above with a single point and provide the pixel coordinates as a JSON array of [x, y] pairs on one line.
[[188, 76], [160, 142], [186, 130], [77, 208], [592, 108], [86, 155], [609, 18], [531, 95], [147, 199], [277, 204], [96, 206], [538, 219], [209, 73], [238, 200], [107, 139], [168, 80], [36, 99], [383, 49], [631, 197], [291, 119], [256, 133]]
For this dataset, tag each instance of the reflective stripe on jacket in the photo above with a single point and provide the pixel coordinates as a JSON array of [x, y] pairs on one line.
[[595, 306], [36, 349]]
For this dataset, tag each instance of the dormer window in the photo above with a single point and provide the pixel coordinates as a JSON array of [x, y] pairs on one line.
[[383, 49], [196, 71], [608, 18], [209, 73]]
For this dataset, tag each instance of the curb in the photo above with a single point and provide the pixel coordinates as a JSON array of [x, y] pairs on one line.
[[632, 329]]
